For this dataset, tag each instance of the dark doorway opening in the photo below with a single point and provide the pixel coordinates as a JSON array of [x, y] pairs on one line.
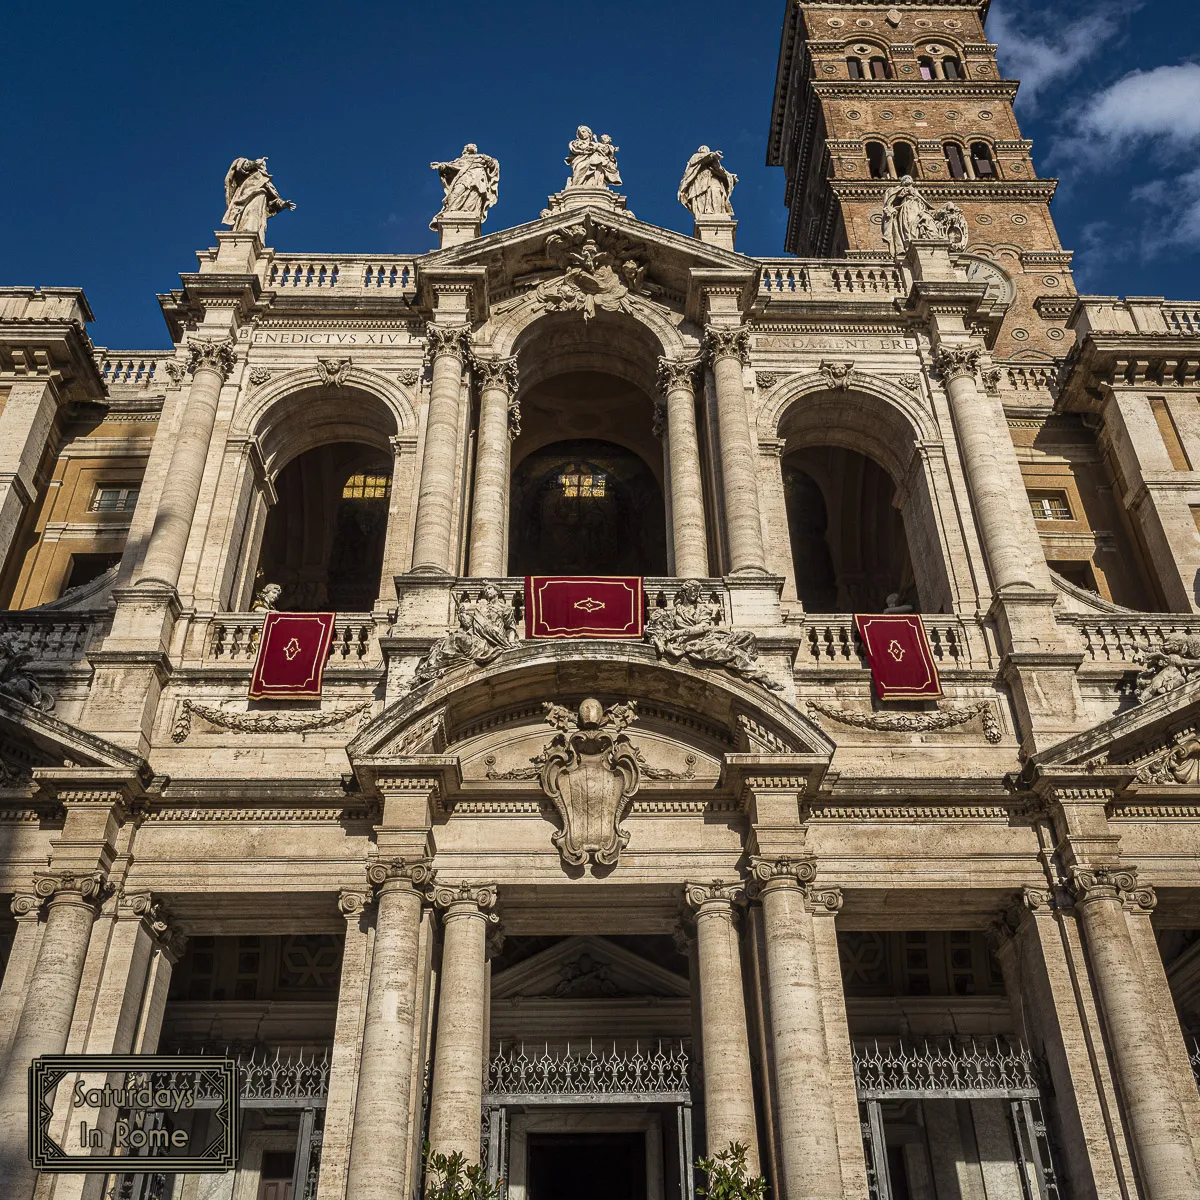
[[587, 1166]]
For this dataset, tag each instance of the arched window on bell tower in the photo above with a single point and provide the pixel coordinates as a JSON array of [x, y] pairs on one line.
[[877, 160], [982, 162]]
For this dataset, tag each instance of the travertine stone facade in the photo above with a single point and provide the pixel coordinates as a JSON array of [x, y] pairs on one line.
[[943, 949]]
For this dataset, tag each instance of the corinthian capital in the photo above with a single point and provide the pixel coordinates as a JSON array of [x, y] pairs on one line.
[[1112, 883], [718, 892], [497, 373], [452, 340], [481, 896], [211, 356], [90, 888], [723, 342], [954, 362], [677, 373], [418, 873]]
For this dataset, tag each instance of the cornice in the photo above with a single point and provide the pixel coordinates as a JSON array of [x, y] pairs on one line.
[[873, 189], [856, 89]]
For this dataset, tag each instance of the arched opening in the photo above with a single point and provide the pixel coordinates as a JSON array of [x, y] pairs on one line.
[[879, 68], [586, 507], [904, 159], [956, 161], [952, 68], [981, 161], [877, 160], [324, 539], [849, 546]]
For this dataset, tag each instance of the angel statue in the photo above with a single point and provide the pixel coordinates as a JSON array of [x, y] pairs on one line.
[[907, 217], [706, 185], [15, 680], [250, 196], [593, 160], [471, 182]]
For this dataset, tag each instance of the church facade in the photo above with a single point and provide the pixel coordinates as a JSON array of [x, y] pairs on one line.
[[587, 908]]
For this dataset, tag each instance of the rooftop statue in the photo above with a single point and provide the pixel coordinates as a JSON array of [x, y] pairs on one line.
[[593, 160], [706, 185], [15, 680], [1168, 668], [485, 629], [908, 217], [250, 196], [471, 182]]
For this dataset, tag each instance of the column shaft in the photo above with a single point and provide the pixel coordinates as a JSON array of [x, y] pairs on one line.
[[807, 1130], [728, 1086], [14, 988], [489, 510], [43, 1028], [688, 535], [211, 363], [435, 495], [456, 1104], [980, 438], [1161, 1144], [738, 478], [378, 1158]]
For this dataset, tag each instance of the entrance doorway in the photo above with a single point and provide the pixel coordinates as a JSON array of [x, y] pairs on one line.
[[587, 1166]]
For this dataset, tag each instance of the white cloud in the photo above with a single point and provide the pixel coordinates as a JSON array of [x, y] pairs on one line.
[[1164, 102], [1040, 48]]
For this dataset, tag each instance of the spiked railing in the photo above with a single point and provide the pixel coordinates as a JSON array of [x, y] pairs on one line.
[[658, 1074], [933, 1071]]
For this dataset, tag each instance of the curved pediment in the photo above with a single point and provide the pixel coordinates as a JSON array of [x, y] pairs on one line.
[[486, 727]]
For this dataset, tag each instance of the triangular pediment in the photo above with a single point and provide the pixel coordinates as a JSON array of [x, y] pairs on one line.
[[517, 258], [587, 968], [32, 740], [1153, 743]]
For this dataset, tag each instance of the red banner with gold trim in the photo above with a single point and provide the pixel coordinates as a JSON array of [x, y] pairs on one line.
[[584, 606], [902, 666], [291, 656]]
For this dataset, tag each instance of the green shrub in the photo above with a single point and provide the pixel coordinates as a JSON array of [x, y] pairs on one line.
[[727, 1178]]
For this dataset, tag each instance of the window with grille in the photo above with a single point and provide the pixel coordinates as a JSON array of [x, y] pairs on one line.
[[1050, 506], [115, 498], [584, 484], [368, 485]]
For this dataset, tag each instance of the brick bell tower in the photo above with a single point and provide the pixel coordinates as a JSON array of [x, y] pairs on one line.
[[867, 93]]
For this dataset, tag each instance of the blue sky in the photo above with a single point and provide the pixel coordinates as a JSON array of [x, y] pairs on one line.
[[123, 119]]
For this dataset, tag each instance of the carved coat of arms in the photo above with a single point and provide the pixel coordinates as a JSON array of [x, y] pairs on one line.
[[591, 773], [601, 270]]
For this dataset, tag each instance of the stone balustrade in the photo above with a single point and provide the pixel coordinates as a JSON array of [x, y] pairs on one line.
[[1126, 639], [348, 275], [54, 637], [818, 279], [232, 638], [133, 370], [831, 640]]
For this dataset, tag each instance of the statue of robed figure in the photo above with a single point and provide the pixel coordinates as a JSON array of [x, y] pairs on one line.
[[471, 182], [706, 185], [250, 196]]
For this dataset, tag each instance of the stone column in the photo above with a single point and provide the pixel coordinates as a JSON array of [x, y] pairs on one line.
[[347, 1043], [499, 424], [448, 346], [456, 1103], [727, 350], [210, 363], [1003, 518], [378, 1164], [46, 1017], [1158, 1133], [689, 539], [26, 908], [26, 421], [728, 1085], [807, 1129]]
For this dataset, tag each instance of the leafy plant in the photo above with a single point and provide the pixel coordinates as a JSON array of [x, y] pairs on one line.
[[451, 1177], [727, 1177]]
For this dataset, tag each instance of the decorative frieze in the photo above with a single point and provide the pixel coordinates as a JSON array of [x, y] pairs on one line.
[[268, 722]]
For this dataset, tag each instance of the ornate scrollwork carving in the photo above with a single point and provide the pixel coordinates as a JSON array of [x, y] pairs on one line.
[[481, 895], [957, 362], [590, 775], [602, 269], [827, 898], [334, 372], [497, 372], [698, 895], [724, 342], [1177, 764], [796, 871], [677, 373], [211, 356], [91, 887], [919, 722], [352, 902], [25, 903], [157, 919], [410, 376], [418, 873], [259, 376], [658, 420], [1112, 883], [447, 340], [275, 722]]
